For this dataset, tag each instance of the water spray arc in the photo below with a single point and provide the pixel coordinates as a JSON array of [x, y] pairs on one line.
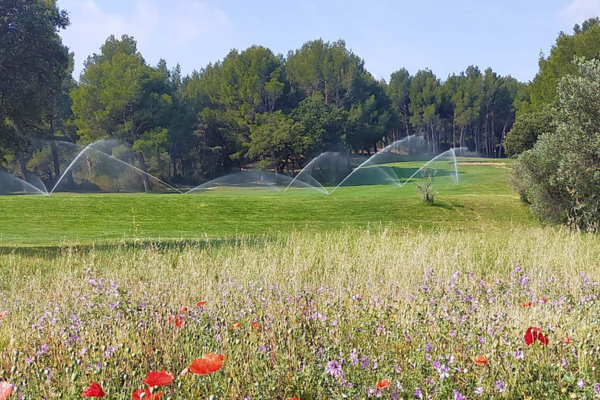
[[24, 183], [69, 167], [321, 188], [390, 147], [444, 154], [321, 174]]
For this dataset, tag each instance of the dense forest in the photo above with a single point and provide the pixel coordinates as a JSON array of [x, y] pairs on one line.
[[253, 108]]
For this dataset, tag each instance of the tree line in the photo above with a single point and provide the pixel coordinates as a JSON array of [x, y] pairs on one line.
[[253, 108]]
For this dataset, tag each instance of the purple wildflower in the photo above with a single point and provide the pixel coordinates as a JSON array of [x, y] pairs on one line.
[[500, 386], [334, 369], [458, 395], [418, 393], [353, 357], [365, 362], [443, 371]]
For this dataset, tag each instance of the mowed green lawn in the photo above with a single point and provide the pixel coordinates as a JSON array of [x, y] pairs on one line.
[[481, 201]]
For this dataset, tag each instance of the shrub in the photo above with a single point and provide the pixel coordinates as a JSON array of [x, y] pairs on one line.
[[560, 176], [425, 187]]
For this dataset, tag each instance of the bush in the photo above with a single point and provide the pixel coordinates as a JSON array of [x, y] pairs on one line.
[[526, 130], [560, 176]]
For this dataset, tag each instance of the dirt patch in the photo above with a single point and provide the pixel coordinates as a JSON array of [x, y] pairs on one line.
[[481, 163]]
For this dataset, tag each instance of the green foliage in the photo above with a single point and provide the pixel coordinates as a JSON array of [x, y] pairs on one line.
[[527, 128], [560, 176], [121, 97], [326, 124], [328, 68], [34, 63], [398, 91], [584, 42], [279, 140]]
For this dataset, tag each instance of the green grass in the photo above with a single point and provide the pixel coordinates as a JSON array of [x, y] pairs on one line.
[[481, 201]]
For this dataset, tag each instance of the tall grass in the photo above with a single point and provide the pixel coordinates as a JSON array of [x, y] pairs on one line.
[[334, 313]]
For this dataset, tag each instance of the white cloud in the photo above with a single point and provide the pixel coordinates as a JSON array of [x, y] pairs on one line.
[[580, 10], [162, 29]]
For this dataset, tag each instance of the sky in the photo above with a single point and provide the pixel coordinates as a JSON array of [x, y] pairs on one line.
[[445, 36]]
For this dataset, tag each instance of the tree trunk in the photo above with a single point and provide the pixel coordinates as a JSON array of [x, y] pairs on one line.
[[23, 165], [494, 137], [453, 134], [174, 162], [145, 179], [89, 165], [55, 160]]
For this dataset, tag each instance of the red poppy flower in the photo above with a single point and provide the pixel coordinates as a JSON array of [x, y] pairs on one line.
[[6, 390], [201, 303], [177, 321], [567, 340], [544, 300], [183, 310], [137, 395], [156, 378], [527, 305], [207, 364], [255, 325], [3, 314], [383, 384], [235, 326], [480, 360], [94, 390], [534, 334], [293, 398]]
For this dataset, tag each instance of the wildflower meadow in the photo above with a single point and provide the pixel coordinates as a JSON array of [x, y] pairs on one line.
[[352, 314]]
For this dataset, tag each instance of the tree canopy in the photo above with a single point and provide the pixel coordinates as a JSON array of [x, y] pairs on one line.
[[33, 65], [560, 176]]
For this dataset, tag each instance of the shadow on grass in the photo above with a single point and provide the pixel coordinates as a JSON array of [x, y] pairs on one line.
[[53, 251]]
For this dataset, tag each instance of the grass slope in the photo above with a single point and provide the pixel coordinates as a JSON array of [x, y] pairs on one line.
[[482, 201]]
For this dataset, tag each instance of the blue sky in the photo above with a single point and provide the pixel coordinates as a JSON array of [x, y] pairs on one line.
[[445, 36]]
